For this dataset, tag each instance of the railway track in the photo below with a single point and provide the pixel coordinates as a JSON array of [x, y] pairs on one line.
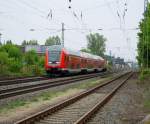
[[12, 81], [44, 85], [80, 108]]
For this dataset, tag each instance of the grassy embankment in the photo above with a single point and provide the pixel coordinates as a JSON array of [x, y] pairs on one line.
[[145, 81]]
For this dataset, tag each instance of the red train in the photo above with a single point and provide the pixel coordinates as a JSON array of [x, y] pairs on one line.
[[59, 60]]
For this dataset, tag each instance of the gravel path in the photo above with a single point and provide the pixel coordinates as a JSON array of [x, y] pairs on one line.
[[124, 108]]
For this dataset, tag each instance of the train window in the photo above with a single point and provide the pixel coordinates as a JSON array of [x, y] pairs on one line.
[[54, 56]]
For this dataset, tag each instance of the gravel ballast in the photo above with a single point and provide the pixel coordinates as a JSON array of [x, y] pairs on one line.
[[125, 107]]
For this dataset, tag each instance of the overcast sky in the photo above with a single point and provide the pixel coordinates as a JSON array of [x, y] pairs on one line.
[[118, 20]]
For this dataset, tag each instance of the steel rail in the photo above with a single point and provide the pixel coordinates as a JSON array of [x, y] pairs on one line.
[[40, 115], [98, 106], [20, 77], [41, 86], [20, 80], [27, 80]]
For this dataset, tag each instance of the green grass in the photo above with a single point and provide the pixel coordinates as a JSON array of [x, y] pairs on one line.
[[93, 83], [147, 104], [12, 105], [147, 98], [50, 95], [144, 74]]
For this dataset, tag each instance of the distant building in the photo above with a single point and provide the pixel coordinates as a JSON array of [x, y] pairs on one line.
[[39, 49]]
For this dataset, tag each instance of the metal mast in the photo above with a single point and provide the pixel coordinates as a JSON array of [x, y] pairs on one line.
[[63, 29]]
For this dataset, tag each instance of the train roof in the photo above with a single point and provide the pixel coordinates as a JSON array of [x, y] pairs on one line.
[[73, 52]]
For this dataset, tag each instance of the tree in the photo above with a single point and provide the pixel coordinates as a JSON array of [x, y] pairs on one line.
[[33, 42], [85, 50], [24, 43], [3, 62], [55, 40], [96, 44], [12, 50], [4, 58], [9, 42], [144, 40], [15, 52], [13, 57]]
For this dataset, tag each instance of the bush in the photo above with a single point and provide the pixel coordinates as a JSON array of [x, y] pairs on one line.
[[36, 70], [26, 71], [31, 57], [14, 62], [3, 63], [41, 61], [15, 52], [145, 74], [15, 65]]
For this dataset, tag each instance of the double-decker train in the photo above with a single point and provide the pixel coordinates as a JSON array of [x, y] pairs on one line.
[[60, 60]]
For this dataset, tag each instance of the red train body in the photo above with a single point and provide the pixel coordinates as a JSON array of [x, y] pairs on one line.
[[62, 60]]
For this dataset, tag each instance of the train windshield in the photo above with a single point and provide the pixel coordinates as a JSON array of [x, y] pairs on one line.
[[54, 56]]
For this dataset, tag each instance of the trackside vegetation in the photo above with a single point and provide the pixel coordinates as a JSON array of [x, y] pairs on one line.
[[13, 62], [144, 44], [144, 55]]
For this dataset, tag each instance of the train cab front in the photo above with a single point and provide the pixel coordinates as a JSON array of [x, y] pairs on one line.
[[53, 60]]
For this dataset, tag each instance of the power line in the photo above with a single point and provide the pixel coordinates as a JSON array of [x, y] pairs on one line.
[[98, 6], [34, 8], [111, 10]]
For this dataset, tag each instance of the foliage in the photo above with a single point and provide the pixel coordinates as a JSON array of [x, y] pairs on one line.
[[8, 42], [14, 57], [12, 50], [24, 43], [85, 50], [145, 73], [14, 62], [144, 40], [3, 62], [15, 65], [31, 57], [55, 40], [41, 61], [4, 58], [31, 42], [96, 44], [12, 105]]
